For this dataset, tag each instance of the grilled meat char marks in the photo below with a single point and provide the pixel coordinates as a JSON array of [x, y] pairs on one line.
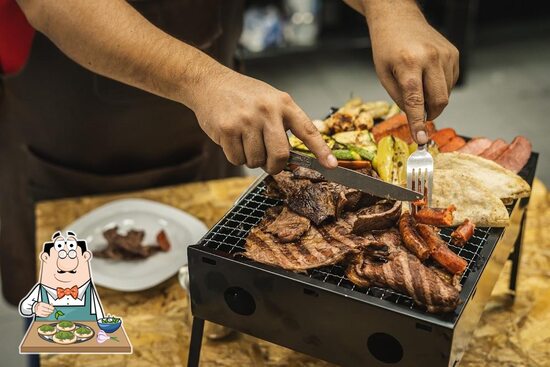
[[326, 245], [323, 223], [406, 274], [287, 226]]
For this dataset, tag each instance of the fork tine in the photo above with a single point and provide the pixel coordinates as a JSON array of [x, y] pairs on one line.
[[430, 187]]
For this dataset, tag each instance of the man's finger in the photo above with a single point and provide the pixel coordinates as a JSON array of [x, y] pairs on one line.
[[233, 149], [297, 121], [412, 95], [435, 92], [277, 147], [390, 85], [254, 148]]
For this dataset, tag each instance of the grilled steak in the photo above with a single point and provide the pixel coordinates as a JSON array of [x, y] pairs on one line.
[[516, 155], [311, 199], [287, 226], [476, 146], [326, 245], [404, 273], [317, 201], [495, 150], [382, 215], [308, 174]]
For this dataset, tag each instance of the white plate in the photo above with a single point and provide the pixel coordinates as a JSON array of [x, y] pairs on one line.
[[181, 228]]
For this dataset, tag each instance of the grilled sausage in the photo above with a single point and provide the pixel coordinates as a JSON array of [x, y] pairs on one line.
[[463, 233], [438, 217], [411, 239], [439, 250]]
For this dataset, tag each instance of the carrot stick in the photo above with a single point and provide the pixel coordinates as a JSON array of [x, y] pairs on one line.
[[443, 136], [355, 164], [454, 144]]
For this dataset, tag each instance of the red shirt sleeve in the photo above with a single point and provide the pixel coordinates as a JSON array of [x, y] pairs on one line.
[[16, 36]]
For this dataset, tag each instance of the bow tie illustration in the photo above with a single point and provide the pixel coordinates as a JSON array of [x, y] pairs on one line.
[[62, 292]]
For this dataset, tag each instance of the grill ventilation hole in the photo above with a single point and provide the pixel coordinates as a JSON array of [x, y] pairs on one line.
[[385, 348], [239, 301]]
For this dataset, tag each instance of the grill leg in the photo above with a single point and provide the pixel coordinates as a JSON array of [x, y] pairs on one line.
[[196, 342], [516, 256]]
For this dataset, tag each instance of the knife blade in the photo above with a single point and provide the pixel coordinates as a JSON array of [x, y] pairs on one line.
[[355, 180]]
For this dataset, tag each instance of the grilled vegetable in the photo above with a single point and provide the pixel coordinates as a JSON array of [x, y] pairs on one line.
[[346, 155], [432, 148], [443, 136], [368, 152], [394, 110], [401, 154], [297, 144], [383, 161], [357, 137]]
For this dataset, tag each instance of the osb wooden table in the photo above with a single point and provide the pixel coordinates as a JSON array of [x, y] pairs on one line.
[[158, 322]]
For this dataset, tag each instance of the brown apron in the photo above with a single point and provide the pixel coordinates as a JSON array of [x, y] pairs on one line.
[[65, 131]]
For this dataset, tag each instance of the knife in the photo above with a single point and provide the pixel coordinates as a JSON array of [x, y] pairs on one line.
[[355, 180]]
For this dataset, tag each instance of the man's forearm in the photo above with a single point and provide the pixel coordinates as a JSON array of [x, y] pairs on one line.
[[111, 38], [373, 9]]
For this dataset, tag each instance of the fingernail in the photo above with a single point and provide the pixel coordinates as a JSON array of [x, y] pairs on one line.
[[332, 161], [421, 137]]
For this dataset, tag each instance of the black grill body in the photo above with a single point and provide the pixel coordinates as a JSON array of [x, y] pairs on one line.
[[321, 313]]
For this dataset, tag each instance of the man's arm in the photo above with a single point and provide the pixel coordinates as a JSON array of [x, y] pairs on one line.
[[247, 117], [415, 64], [26, 306]]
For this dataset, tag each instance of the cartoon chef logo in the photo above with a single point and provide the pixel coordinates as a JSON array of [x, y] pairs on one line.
[[68, 315], [65, 287]]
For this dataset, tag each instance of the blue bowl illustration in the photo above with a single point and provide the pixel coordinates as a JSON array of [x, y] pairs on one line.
[[109, 324]]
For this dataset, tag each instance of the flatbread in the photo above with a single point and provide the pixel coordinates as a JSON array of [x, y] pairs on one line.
[[473, 200], [64, 341], [503, 183]]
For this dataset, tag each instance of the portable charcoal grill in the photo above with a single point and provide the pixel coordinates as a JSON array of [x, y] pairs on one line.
[[323, 314]]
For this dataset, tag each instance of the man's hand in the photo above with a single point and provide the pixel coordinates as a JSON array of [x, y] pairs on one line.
[[249, 118], [415, 64], [42, 309]]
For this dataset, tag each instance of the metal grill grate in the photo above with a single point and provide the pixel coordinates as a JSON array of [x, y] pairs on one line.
[[229, 236]]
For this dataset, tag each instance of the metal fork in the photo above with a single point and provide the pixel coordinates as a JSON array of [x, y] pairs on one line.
[[420, 168]]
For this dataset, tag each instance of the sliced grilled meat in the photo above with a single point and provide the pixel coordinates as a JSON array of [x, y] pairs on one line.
[[326, 245], [440, 252], [317, 201], [516, 155], [308, 174], [381, 215], [288, 226], [404, 273], [495, 150], [411, 239], [476, 146], [312, 200]]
